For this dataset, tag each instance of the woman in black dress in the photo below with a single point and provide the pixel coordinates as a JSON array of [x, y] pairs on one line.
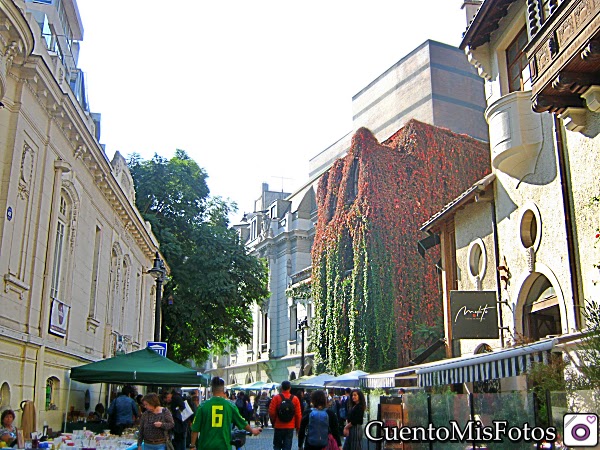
[[354, 420]]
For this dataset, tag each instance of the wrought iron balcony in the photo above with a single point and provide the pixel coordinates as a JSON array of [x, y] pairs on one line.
[[564, 55]]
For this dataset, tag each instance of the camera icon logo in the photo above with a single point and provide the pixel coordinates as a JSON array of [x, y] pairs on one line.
[[581, 430]]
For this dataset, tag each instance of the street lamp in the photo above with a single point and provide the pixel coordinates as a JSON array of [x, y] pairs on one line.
[[302, 326], [158, 272]]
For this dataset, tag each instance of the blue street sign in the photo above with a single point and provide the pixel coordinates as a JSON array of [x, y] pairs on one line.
[[158, 347]]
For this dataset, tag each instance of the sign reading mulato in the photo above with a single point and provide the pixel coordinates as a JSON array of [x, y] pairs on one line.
[[474, 314]]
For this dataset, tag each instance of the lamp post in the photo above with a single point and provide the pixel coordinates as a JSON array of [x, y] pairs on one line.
[[302, 326], [158, 272]]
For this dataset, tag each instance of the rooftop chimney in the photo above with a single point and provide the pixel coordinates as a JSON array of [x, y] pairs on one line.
[[471, 7]]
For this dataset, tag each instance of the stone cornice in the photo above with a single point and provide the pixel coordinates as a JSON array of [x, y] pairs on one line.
[[282, 238], [14, 29], [76, 126]]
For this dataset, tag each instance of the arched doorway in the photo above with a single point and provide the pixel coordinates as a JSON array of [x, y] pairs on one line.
[[541, 312]]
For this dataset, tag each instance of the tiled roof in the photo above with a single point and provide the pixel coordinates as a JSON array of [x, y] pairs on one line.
[[485, 22], [459, 201]]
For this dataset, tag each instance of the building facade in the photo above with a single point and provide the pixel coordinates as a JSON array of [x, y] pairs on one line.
[[74, 249], [430, 84], [527, 234]]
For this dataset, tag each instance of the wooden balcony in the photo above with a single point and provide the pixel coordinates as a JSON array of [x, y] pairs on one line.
[[564, 55]]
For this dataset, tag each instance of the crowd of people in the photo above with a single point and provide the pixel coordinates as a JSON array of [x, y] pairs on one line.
[[318, 420], [159, 417]]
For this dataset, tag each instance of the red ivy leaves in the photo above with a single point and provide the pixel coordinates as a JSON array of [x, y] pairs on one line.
[[373, 201]]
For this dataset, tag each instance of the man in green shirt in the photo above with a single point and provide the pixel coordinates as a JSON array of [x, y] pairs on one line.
[[214, 419]]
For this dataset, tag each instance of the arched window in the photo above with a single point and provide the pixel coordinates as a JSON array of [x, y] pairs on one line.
[[4, 396], [52, 390], [541, 314], [57, 284]]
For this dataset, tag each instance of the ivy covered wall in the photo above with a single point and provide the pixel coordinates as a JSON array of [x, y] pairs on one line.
[[373, 293]]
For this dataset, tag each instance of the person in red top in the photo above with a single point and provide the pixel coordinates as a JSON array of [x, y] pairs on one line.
[[284, 429]]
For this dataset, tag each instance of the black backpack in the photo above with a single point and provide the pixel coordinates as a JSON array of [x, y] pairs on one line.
[[286, 410]]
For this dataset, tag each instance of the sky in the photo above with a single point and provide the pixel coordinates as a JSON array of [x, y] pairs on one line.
[[251, 90]]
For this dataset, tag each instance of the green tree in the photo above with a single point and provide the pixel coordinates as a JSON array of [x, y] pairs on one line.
[[587, 362], [213, 281]]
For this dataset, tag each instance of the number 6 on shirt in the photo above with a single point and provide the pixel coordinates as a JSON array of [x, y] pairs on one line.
[[217, 416]]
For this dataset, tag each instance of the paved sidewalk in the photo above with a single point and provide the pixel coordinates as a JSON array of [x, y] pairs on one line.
[[264, 441]]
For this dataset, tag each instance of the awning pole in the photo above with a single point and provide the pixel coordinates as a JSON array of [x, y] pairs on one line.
[[67, 405]]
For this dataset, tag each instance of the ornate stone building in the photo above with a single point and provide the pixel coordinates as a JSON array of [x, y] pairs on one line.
[[74, 249]]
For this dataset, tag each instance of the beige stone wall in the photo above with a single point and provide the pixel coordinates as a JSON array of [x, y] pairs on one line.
[[540, 192], [473, 224], [48, 150], [584, 162]]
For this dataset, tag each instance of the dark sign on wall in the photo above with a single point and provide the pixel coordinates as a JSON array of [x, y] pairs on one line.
[[474, 314]]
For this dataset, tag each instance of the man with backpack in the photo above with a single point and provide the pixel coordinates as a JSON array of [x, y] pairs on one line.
[[285, 412]]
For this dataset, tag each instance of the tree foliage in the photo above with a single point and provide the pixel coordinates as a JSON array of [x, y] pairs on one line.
[[587, 361], [213, 281]]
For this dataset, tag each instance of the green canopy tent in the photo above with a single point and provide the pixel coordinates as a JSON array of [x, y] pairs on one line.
[[144, 367]]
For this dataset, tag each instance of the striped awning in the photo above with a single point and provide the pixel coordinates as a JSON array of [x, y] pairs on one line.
[[387, 379], [486, 366]]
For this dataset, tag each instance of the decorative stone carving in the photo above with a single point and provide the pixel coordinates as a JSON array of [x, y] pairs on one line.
[[530, 255], [26, 172], [69, 187], [92, 324], [473, 58], [79, 151], [592, 98], [11, 51], [575, 119], [12, 283], [533, 16]]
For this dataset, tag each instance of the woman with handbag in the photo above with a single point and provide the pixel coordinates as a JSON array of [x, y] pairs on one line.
[[155, 425]]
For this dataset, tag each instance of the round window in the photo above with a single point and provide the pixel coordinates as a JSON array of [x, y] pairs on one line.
[[477, 259], [530, 227]]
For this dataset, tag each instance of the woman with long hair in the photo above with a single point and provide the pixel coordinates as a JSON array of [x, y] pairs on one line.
[[155, 424], [354, 420], [319, 402]]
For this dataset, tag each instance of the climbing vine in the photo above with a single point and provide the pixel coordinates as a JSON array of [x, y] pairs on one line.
[[371, 288]]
